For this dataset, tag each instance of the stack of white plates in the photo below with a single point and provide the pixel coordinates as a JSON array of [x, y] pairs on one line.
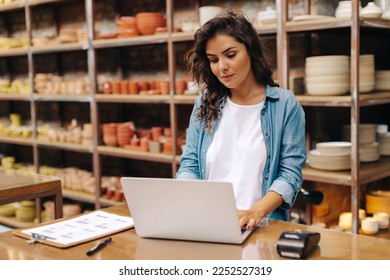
[[382, 80], [367, 133], [366, 73], [369, 152], [319, 160], [384, 144], [327, 75], [335, 155], [334, 147]]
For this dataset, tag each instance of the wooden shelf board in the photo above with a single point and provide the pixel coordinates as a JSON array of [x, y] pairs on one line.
[[375, 23], [182, 36], [318, 24], [185, 99], [369, 172], [120, 152], [14, 223], [66, 146], [80, 196], [13, 52], [14, 97], [131, 98], [189, 36], [63, 97], [16, 140], [366, 99], [131, 41], [40, 2], [60, 48], [12, 6]]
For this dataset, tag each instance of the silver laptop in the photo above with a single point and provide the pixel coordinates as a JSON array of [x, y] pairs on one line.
[[196, 210]]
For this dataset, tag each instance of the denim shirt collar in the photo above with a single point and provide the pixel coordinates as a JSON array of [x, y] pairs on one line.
[[270, 92]]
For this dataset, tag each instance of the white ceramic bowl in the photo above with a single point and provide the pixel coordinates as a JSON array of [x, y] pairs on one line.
[[267, 16], [371, 10], [370, 226], [327, 89], [208, 12], [328, 79], [322, 58], [383, 219], [334, 147], [345, 220]]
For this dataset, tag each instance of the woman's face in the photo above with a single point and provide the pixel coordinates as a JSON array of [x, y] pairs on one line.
[[229, 61]]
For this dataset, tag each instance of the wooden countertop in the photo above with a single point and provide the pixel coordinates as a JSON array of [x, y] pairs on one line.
[[261, 244]]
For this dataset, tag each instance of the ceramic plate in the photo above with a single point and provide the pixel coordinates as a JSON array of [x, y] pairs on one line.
[[310, 17]]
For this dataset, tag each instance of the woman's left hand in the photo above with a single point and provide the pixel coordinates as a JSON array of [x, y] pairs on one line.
[[249, 218]]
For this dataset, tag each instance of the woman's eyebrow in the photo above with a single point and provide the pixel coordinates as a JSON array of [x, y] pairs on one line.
[[223, 52]]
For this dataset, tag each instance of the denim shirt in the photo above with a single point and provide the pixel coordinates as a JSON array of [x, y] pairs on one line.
[[283, 125]]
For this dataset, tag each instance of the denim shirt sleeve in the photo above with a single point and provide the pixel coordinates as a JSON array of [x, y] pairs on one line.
[[189, 162], [285, 127]]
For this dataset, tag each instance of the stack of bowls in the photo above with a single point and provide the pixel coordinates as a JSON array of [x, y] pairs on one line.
[[378, 201], [369, 148], [335, 155], [382, 80], [384, 144], [147, 22], [366, 73], [369, 152], [327, 75], [367, 133]]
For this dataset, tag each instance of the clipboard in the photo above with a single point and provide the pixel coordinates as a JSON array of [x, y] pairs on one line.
[[81, 229]]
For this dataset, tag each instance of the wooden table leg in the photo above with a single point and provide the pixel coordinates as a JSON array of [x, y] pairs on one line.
[[58, 205]]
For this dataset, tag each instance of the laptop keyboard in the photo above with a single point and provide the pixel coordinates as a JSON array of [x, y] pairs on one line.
[[243, 229]]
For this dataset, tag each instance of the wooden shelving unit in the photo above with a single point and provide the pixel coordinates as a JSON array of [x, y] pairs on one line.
[[359, 174]]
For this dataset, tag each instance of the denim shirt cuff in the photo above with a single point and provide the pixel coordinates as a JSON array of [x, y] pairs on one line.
[[285, 190], [186, 175]]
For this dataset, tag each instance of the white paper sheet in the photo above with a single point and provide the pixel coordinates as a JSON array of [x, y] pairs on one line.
[[82, 228]]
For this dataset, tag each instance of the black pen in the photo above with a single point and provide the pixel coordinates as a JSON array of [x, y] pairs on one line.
[[93, 250]]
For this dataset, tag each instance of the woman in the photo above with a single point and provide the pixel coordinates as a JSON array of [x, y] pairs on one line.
[[243, 128]]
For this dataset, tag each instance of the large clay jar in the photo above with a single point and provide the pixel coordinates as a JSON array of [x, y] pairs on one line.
[[148, 22]]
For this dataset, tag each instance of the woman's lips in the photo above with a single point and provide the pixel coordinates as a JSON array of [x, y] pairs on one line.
[[226, 77]]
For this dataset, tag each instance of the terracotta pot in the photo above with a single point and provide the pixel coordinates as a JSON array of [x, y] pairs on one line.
[[164, 87], [116, 87], [107, 88], [124, 87], [133, 87], [148, 22], [180, 86]]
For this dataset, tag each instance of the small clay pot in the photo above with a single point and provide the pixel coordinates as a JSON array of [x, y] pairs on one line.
[[124, 87], [164, 87], [116, 87], [180, 86], [107, 88], [133, 87]]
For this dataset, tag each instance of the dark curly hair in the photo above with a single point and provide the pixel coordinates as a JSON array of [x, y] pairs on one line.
[[236, 25]]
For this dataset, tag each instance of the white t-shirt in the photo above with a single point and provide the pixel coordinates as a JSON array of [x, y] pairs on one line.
[[237, 152]]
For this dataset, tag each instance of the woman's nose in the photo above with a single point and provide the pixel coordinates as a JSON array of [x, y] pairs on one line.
[[222, 65]]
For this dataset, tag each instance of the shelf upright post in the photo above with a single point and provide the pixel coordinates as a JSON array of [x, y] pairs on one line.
[[355, 115], [93, 106], [171, 73], [31, 82], [30, 66], [282, 43]]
